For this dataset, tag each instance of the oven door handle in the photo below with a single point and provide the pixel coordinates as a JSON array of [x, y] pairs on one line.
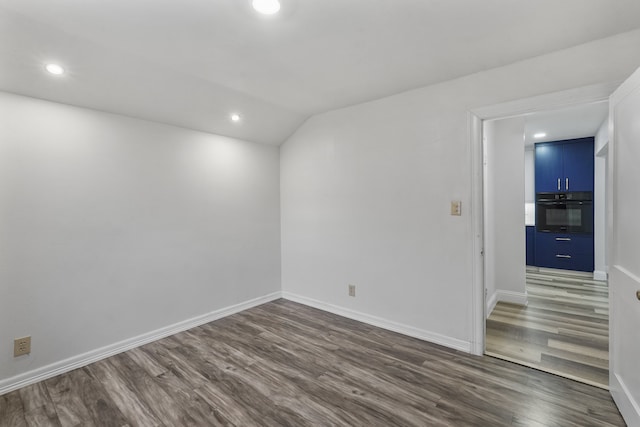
[[564, 203]]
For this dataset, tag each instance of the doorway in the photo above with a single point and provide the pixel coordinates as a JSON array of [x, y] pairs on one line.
[[580, 343], [563, 329]]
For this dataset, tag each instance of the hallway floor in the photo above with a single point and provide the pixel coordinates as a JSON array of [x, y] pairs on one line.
[[563, 330]]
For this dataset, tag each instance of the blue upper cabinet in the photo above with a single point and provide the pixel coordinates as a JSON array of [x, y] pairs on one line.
[[548, 165], [565, 165], [578, 165]]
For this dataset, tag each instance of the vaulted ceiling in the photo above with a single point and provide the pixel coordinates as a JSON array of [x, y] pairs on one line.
[[192, 63]]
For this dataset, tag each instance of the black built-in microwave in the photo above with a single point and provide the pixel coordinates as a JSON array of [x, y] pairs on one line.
[[569, 212]]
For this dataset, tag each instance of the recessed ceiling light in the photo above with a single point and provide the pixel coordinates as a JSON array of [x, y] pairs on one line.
[[235, 117], [539, 135], [54, 69], [266, 7]]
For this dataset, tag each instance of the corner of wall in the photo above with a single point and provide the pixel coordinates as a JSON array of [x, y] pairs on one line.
[[491, 304], [600, 275]]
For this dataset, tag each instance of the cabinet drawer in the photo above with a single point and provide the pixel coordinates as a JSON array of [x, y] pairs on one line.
[[565, 251], [569, 243]]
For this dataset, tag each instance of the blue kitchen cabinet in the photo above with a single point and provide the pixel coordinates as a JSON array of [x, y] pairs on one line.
[[531, 244], [578, 160], [564, 251], [548, 167], [563, 166]]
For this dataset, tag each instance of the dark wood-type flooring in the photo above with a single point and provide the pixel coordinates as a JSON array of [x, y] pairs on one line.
[[285, 364], [563, 330]]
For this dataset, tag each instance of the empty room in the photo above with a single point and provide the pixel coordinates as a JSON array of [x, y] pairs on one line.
[[288, 213]]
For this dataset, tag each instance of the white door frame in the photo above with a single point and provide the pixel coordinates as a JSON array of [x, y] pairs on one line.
[[582, 95], [623, 282]]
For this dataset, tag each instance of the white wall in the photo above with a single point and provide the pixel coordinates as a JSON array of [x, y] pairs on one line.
[[599, 203], [529, 175], [112, 227], [365, 192], [602, 137], [505, 243]]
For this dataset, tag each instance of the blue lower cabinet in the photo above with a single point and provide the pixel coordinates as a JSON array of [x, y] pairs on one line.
[[564, 251], [531, 245]]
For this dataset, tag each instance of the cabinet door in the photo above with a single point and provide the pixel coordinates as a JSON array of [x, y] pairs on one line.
[[582, 252], [578, 159], [546, 251], [530, 239], [564, 251], [548, 167]]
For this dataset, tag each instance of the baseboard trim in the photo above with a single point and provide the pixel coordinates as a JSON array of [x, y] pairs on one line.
[[600, 275], [511, 297], [379, 322], [75, 362], [491, 304], [628, 407]]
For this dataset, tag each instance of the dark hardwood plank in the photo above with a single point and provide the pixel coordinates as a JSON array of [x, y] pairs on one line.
[[38, 406], [12, 413], [131, 404], [80, 400], [155, 399]]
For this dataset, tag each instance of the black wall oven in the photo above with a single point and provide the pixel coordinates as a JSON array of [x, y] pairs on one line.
[[570, 212]]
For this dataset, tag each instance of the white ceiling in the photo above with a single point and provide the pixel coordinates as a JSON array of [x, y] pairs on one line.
[[566, 123], [193, 62]]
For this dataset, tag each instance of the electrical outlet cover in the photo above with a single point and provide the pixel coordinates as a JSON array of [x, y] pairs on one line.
[[21, 346]]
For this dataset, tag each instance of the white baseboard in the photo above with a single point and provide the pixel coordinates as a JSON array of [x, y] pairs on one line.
[[491, 304], [512, 297], [382, 323], [599, 275], [628, 407], [57, 368]]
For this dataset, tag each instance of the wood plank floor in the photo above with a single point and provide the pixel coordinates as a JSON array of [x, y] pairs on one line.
[[285, 364], [563, 330]]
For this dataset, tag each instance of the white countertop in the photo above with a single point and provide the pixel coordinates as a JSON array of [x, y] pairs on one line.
[[529, 214]]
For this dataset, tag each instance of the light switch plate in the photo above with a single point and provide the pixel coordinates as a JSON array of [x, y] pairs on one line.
[[456, 208], [352, 290]]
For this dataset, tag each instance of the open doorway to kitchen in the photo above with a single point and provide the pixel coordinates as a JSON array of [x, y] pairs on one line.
[[545, 267]]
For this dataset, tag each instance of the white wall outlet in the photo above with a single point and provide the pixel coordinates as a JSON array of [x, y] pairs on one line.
[[352, 290], [456, 207]]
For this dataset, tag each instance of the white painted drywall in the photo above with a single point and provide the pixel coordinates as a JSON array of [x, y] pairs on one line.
[[599, 202], [505, 243], [112, 227], [529, 175], [365, 190]]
